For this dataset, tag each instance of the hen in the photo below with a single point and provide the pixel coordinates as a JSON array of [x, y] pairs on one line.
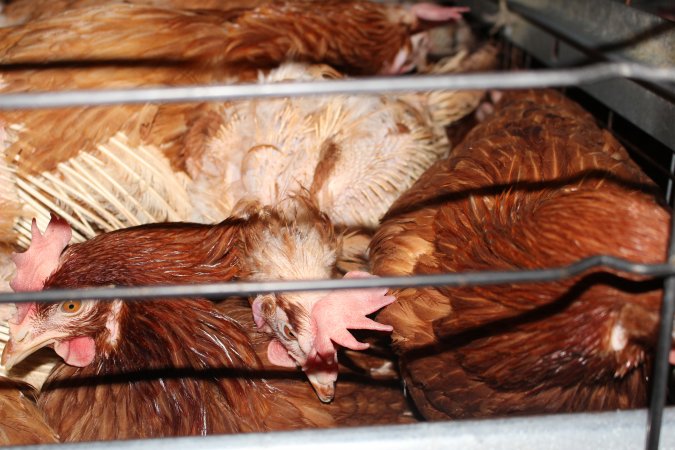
[[536, 185], [159, 367], [354, 36]]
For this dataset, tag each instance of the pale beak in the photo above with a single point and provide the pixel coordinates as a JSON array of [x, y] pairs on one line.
[[322, 374], [23, 343], [324, 390]]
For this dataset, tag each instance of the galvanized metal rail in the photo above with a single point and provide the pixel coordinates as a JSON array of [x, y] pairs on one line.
[[242, 289], [370, 85], [622, 430]]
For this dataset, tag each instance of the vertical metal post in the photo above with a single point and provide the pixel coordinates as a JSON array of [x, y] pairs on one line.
[[669, 186], [660, 380], [610, 121]]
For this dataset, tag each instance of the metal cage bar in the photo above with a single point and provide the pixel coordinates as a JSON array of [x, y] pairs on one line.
[[242, 289], [622, 430], [370, 85]]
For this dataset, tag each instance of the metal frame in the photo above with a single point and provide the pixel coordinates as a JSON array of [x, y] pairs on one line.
[[371, 85], [547, 22], [622, 430]]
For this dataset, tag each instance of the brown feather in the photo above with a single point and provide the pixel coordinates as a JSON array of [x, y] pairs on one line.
[[177, 368], [21, 422], [536, 185]]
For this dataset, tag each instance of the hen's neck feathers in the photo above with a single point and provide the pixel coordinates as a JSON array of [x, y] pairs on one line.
[[178, 368], [152, 254]]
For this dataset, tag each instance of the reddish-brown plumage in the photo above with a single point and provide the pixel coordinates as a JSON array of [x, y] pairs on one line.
[[21, 11], [536, 185], [355, 36], [21, 422], [171, 368]]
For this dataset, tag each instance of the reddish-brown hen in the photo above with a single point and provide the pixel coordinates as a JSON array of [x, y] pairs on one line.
[[160, 367], [354, 36], [536, 185]]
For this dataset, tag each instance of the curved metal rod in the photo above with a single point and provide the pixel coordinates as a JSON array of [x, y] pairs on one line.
[[241, 289], [487, 80]]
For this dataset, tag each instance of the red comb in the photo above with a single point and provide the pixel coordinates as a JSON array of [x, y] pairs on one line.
[[36, 264], [437, 13], [340, 311]]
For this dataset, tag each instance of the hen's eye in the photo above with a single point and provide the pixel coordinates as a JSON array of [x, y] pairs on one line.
[[71, 306], [288, 332]]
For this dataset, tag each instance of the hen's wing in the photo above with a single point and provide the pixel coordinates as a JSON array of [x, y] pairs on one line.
[[21, 11], [355, 36]]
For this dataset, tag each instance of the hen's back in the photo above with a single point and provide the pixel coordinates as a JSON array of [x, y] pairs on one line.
[[536, 185]]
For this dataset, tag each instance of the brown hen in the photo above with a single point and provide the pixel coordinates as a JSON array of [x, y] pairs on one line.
[[536, 185], [160, 367]]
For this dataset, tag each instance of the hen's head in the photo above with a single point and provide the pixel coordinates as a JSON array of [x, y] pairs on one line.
[[77, 330], [307, 326], [145, 255], [67, 326]]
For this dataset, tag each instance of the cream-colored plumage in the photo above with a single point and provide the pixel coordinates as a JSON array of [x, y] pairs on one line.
[[111, 187], [354, 155]]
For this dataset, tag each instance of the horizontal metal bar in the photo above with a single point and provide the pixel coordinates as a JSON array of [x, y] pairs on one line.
[[240, 289], [492, 80], [616, 430]]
